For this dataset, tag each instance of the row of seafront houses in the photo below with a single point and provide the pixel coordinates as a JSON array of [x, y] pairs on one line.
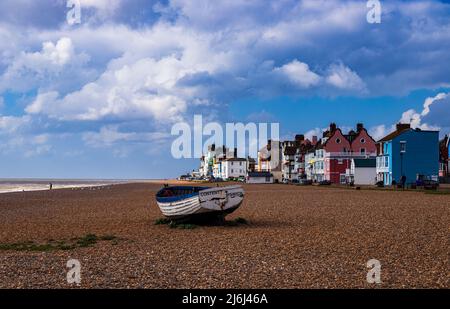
[[354, 157]]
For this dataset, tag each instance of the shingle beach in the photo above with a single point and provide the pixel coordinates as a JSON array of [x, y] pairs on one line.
[[295, 237]]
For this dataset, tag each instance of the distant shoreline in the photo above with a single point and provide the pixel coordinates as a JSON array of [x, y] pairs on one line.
[[35, 185]]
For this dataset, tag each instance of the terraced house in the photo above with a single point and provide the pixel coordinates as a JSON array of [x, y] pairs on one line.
[[412, 153], [332, 156], [444, 152]]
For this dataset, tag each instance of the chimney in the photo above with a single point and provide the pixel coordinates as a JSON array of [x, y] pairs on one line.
[[359, 127], [403, 126], [314, 140], [299, 137], [235, 153], [332, 127]]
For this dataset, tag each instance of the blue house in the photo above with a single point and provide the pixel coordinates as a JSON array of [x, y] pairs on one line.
[[408, 152]]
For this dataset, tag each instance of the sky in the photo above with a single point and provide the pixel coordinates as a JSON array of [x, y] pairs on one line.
[[98, 98]]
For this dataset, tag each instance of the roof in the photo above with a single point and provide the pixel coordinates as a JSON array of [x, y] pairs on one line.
[[394, 134], [365, 162], [290, 150], [259, 174]]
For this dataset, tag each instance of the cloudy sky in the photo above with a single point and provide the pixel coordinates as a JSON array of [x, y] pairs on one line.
[[98, 99]]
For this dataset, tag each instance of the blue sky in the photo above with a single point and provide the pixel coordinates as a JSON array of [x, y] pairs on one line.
[[98, 99]]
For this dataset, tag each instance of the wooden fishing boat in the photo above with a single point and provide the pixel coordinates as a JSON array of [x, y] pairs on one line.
[[199, 203]]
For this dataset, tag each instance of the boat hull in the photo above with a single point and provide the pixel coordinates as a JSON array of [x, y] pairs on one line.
[[208, 204]]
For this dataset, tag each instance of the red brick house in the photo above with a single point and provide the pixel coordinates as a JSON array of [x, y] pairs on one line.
[[339, 149]]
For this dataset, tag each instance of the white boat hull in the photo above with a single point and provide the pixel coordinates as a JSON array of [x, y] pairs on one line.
[[220, 201]]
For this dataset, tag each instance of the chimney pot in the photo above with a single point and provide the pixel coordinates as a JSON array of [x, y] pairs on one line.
[[403, 126]]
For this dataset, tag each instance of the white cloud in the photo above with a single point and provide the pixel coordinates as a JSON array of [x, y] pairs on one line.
[[146, 88], [380, 131], [429, 101], [111, 135], [315, 132], [11, 124], [418, 119], [344, 78], [299, 73], [55, 64]]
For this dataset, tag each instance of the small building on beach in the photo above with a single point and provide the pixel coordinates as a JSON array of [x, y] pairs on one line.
[[259, 177], [363, 171]]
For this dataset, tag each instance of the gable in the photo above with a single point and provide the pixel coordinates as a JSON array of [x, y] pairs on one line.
[[337, 142], [363, 140]]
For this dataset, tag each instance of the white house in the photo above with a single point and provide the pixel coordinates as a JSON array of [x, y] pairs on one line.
[[259, 177], [234, 168], [363, 171], [314, 165]]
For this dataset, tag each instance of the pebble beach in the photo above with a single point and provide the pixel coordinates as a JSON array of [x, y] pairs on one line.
[[287, 237]]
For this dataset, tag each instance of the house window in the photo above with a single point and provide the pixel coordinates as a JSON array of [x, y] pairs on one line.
[[363, 151], [240, 163], [232, 171], [340, 161], [386, 161], [362, 140], [402, 147], [338, 140]]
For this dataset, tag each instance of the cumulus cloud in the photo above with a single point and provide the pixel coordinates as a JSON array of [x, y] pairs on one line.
[[435, 115], [314, 132], [54, 65], [299, 74], [192, 55], [145, 88], [344, 78], [422, 119]]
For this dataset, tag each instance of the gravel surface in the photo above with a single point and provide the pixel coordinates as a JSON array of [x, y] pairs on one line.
[[296, 237]]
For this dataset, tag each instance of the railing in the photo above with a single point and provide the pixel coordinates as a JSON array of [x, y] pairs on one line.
[[350, 154]]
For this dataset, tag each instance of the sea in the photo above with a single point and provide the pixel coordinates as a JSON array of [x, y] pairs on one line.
[[24, 185]]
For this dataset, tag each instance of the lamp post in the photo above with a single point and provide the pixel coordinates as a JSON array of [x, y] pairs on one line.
[[402, 152]]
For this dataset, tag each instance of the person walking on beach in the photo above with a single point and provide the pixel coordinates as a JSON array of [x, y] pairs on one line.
[[51, 186]]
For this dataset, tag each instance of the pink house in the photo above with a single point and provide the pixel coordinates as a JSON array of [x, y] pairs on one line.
[[339, 149]]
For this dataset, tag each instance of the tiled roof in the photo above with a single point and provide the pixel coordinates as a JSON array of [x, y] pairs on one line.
[[394, 134]]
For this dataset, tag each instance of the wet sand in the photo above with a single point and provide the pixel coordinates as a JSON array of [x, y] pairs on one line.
[[296, 237]]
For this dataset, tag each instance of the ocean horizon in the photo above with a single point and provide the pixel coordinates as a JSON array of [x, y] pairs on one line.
[[10, 185]]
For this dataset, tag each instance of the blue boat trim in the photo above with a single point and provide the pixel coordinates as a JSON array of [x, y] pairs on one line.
[[177, 198]]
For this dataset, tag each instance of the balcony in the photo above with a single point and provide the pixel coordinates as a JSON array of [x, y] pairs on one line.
[[349, 155]]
